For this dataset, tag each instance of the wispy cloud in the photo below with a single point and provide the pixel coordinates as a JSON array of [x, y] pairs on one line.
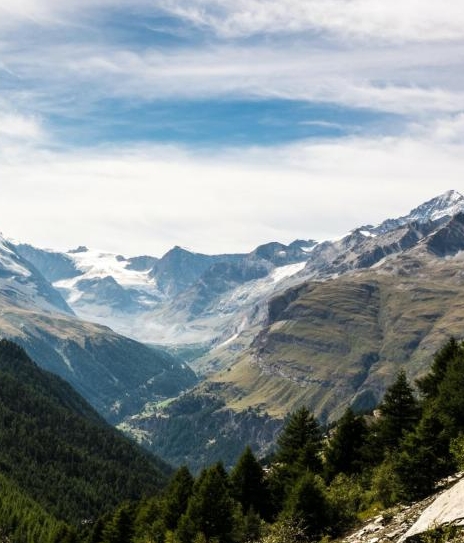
[[428, 21], [69, 67]]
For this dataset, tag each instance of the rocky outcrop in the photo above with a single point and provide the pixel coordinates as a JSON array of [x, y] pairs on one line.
[[447, 509], [399, 524]]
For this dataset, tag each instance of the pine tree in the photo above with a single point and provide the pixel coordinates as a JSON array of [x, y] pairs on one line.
[[424, 458], [306, 506], [300, 442], [399, 413], [428, 385], [449, 403], [248, 486], [120, 528], [177, 495], [344, 452], [210, 509]]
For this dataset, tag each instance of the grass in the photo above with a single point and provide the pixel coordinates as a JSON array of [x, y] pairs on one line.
[[345, 336]]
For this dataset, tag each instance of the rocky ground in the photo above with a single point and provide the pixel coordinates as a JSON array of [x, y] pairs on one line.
[[393, 524]]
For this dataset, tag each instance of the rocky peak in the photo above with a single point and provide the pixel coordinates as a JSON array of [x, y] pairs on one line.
[[445, 205]]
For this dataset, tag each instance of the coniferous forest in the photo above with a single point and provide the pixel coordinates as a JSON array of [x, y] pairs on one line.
[[66, 476]]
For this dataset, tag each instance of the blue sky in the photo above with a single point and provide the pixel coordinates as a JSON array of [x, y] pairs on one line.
[[220, 124]]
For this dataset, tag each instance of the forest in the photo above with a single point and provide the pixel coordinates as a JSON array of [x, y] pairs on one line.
[[317, 483]]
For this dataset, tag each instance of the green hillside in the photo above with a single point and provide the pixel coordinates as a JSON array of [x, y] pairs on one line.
[[59, 451], [340, 342]]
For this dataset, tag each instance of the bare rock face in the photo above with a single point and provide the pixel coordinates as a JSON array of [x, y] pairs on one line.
[[397, 525], [447, 509]]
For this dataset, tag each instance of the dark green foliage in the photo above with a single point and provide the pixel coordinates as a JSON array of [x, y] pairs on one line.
[[198, 430], [210, 509], [399, 413], [449, 402], [423, 459], [120, 528], [65, 534], [300, 442], [176, 497], [59, 450], [149, 519], [307, 505], [23, 520], [425, 453], [344, 453], [248, 486], [428, 385]]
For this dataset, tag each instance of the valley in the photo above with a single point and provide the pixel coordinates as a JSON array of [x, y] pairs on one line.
[[323, 324]]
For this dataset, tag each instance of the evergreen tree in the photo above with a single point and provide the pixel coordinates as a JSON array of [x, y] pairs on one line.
[[307, 507], [149, 520], [248, 486], [344, 452], [428, 385], [177, 495], [120, 528], [424, 458], [300, 442], [210, 509], [399, 413], [449, 403]]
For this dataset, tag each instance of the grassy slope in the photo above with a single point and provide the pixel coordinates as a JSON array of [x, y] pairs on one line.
[[346, 338]]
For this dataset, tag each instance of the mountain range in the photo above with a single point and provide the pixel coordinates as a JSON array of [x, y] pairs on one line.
[[327, 324]]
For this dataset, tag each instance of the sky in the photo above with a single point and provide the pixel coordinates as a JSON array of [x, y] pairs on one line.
[[136, 125]]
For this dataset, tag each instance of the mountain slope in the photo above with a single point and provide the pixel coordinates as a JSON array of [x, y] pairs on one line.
[[59, 450], [168, 300], [24, 284], [338, 340], [23, 519], [115, 374]]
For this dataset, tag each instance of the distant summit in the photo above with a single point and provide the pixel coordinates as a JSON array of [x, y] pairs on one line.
[[447, 204], [80, 249]]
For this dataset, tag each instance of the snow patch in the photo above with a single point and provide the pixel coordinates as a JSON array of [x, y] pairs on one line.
[[286, 271]]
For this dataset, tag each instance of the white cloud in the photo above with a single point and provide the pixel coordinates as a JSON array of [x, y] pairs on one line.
[[404, 80], [148, 199], [409, 20], [427, 20], [16, 126]]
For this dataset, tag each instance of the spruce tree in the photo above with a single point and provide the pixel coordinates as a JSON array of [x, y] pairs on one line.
[[248, 486], [120, 528], [399, 413], [177, 495], [428, 385], [307, 507], [449, 403], [424, 458], [300, 442], [210, 509], [344, 452]]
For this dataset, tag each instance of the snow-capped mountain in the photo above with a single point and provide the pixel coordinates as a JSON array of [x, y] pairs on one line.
[[186, 297], [321, 323], [23, 284], [114, 373], [166, 300], [446, 205]]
